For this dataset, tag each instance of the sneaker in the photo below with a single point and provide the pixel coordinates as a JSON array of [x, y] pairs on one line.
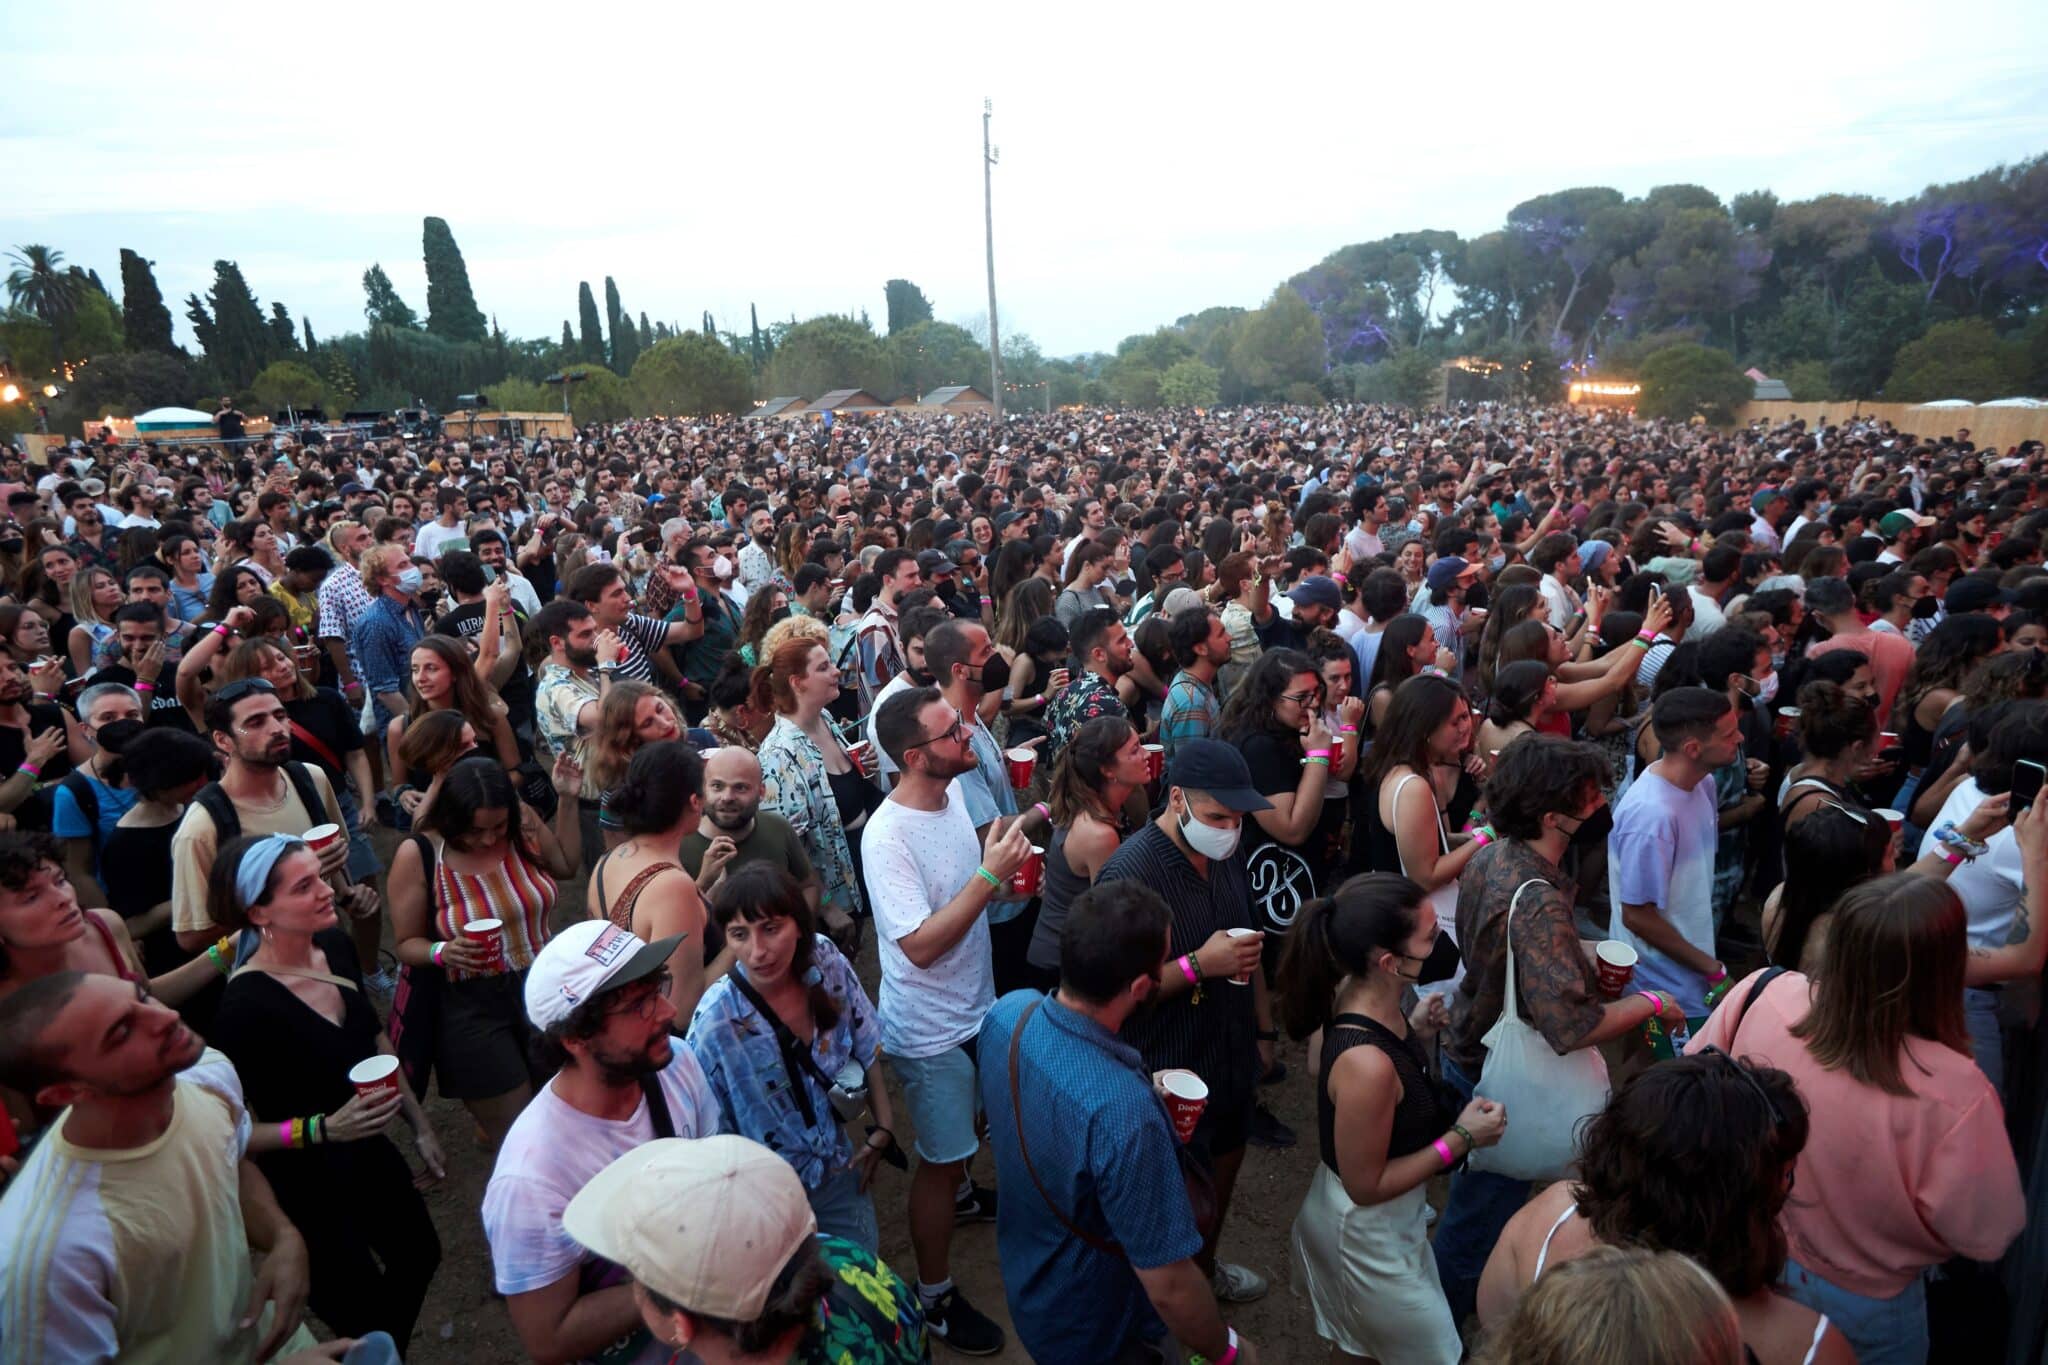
[[965, 1328], [1267, 1130], [1236, 1283], [979, 1206]]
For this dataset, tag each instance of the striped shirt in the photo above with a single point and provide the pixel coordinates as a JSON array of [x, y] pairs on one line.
[[640, 635], [520, 893], [1216, 1038]]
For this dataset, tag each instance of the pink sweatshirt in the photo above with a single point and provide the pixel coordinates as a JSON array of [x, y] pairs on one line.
[[1888, 1184]]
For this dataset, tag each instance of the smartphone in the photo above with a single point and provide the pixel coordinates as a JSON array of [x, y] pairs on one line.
[[2026, 783]]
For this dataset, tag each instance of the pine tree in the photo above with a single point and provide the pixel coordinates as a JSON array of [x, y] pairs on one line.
[[646, 332], [451, 307], [907, 305], [231, 326], [591, 341], [381, 304], [145, 321], [284, 338], [625, 341]]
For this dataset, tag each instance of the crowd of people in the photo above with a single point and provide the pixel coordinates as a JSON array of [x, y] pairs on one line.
[[1635, 823]]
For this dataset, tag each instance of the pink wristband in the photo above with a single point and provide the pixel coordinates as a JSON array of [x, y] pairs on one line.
[[1042, 809], [1656, 1003], [284, 1133], [1317, 753], [1187, 970], [1443, 1149]]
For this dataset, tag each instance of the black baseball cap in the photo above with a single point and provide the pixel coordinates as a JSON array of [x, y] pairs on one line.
[[1971, 593], [1210, 765]]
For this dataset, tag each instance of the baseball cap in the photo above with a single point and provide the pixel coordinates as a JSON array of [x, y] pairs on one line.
[[1764, 497], [1894, 522], [1210, 765], [1971, 593], [1317, 591], [935, 561], [707, 1223], [1008, 518], [1447, 571], [587, 959]]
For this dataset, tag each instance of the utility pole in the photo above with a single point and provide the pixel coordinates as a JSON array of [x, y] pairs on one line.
[[988, 206]]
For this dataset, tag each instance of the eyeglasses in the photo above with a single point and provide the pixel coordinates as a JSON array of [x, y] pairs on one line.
[[241, 688], [644, 1006], [1756, 1087], [1302, 698], [957, 731]]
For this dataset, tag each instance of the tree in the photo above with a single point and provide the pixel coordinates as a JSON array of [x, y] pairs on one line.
[[124, 384], [1699, 267], [907, 305], [1965, 358], [625, 346], [286, 384], [1878, 318], [1190, 383], [1279, 345], [600, 396], [95, 328], [830, 352], [284, 337], [381, 304], [311, 345], [41, 285], [757, 340], [928, 354], [1132, 378], [590, 343], [568, 343], [691, 375], [231, 328], [646, 332], [1684, 380], [1808, 381], [145, 321], [451, 307]]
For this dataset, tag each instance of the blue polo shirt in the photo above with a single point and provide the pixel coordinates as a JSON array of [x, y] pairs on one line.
[[1101, 1145]]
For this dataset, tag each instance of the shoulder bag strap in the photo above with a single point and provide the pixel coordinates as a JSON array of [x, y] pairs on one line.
[[1509, 1010], [1763, 981], [657, 1105], [307, 972], [1017, 1118], [796, 1054], [318, 746]]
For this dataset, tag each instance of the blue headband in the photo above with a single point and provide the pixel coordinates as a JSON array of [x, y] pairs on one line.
[[254, 873]]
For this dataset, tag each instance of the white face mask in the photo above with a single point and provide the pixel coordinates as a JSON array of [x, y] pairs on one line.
[[721, 567], [1208, 840], [1767, 688]]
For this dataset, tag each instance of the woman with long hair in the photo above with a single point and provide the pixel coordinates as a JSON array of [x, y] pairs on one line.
[[768, 604], [1428, 726], [1523, 700], [95, 596], [1411, 561], [1275, 718], [1909, 1163], [253, 545], [2016, 675], [1941, 664], [791, 984], [444, 678], [295, 1017], [1083, 592], [1407, 646], [1386, 1125], [1027, 607], [638, 884], [632, 716], [1694, 1156], [1511, 606], [191, 580], [1015, 562], [25, 632], [809, 779], [480, 853], [235, 585], [1093, 777]]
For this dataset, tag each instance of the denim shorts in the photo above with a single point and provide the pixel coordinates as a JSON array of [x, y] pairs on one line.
[[943, 1098], [1882, 1331]]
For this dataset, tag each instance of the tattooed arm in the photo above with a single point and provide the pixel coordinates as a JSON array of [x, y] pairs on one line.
[[1557, 983], [2026, 947]]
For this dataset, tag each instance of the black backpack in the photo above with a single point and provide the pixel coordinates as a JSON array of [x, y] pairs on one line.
[[227, 823]]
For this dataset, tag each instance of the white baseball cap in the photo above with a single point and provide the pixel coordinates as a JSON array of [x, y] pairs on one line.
[[707, 1223], [586, 959]]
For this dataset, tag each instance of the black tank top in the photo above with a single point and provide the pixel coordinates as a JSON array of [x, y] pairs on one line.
[[1419, 1119], [1062, 885]]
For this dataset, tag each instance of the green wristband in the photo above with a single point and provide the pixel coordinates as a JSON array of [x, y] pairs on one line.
[[991, 878]]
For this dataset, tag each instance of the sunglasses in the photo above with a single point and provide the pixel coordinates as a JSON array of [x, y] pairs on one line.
[[243, 687]]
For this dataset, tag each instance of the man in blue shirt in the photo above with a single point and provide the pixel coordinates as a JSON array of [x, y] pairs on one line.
[[383, 638], [1096, 1236]]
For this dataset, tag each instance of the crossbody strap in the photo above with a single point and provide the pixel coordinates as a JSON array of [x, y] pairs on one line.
[[318, 746], [1017, 1118], [1510, 1011], [796, 1054]]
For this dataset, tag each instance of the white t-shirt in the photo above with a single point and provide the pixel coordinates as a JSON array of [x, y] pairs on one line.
[[916, 861], [431, 539], [889, 689], [551, 1153], [1661, 853], [1989, 887]]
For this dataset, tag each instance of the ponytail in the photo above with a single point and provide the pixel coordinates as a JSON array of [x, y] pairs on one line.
[[1337, 936]]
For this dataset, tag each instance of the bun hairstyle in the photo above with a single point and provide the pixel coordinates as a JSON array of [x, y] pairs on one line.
[[659, 785], [1516, 690], [1831, 719], [1339, 935], [773, 688]]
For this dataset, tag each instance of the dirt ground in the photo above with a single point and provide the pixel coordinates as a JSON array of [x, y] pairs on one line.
[[464, 1322]]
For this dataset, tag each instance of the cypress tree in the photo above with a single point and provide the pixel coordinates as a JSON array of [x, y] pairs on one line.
[[625, 340], [568, 342], [646, 332], [757, 345], [381, 304], [145, 322], [235, 335], [591, 342], [284, 338], [451, 307], [311, 345]]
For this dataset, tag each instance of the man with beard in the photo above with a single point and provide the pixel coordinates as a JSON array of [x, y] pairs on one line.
[[262, 792], [1903, 532], [1102, 1268], [1103, 647], [1317, 600], [736, 831], [912, 626], [582, 665], [929, 882], [127, 1233], [598, 997]]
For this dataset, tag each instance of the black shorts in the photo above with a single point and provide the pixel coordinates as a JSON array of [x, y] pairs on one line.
[[1226, 1123], [482, 1051]]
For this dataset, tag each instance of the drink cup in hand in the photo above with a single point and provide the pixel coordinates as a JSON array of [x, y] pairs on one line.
[[1186, 1096], [1616, 964]]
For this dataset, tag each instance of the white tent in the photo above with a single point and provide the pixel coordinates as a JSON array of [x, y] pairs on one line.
[[158, 418], [1947, 403], [2017, 403]]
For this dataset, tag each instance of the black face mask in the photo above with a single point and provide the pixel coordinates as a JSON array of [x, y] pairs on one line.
[[779, 614], [995, 674], [1441, 963], [115, 734], [1594, 828], [1475, 596], [1924, 608]]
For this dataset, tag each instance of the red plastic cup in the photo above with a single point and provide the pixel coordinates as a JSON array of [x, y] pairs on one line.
[[1021, 763], [1246, 979], [1788, 720], [1616, 963], [375, 1076], [320, 836], [1893, 819], [1186, 1096], [490, 933], [1887, 739], [1155, 762], [1030, 874], [858, 751]]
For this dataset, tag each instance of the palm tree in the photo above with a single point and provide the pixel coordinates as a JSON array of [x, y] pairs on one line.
[[42, 285]]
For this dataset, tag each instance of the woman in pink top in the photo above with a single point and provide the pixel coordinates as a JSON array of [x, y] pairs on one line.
[[1908, 1163]]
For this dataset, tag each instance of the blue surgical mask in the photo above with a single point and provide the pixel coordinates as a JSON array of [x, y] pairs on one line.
[[410, 578]]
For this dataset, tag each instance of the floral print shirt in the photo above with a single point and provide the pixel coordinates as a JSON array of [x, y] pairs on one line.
[[795, 786]]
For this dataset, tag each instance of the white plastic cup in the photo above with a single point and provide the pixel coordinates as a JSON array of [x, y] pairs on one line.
[[1246, 979]]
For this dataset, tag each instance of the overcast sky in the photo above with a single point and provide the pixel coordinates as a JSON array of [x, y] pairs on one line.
[[1154, 161]]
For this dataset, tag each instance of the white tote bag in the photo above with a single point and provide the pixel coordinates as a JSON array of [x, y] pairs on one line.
[[1546, 1095]]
